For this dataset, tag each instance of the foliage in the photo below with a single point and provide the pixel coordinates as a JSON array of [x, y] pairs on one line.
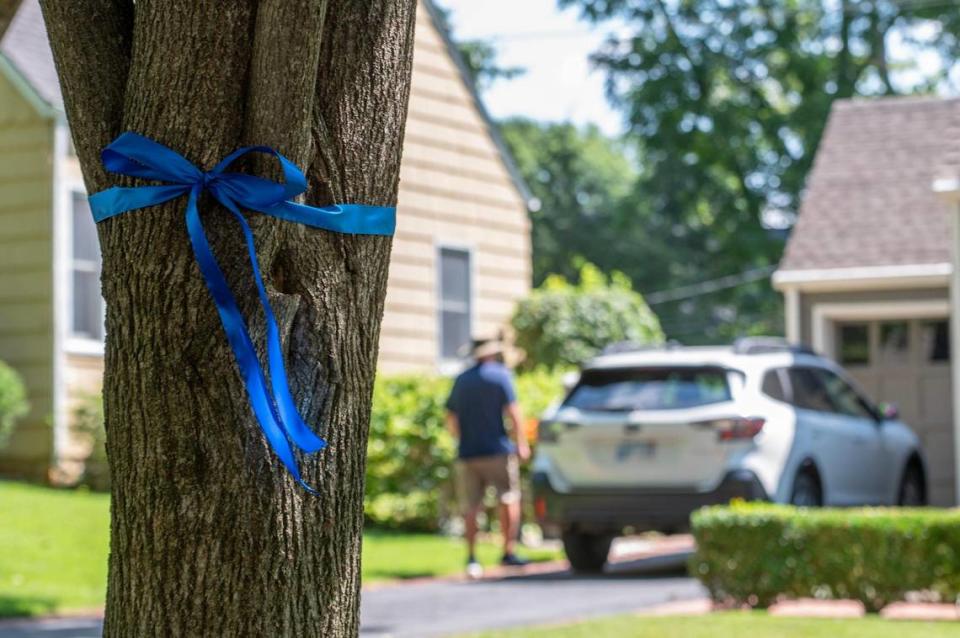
[[754, 553], [724, 104], [732, 624], [562, 324], [410, 453], [13, 400], [584, 181], [88, 423], [537, 389]]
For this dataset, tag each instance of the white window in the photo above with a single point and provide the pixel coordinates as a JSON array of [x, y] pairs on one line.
[[455, 303], [86, 302]]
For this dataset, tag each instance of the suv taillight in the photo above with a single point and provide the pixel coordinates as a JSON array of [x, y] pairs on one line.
[[737, 429]]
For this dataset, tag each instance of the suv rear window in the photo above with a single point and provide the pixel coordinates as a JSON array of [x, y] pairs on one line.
[[628, 389]]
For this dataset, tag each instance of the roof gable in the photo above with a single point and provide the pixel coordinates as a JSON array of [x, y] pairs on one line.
[[869, 199], [27, 49]]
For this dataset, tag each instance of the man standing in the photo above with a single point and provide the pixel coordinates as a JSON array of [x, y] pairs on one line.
[[479, 398]]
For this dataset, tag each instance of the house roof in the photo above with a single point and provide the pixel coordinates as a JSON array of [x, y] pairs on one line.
[[870, 200], [26, 47]]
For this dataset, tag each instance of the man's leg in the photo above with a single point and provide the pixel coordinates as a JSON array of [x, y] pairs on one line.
[[470, 531], [509, 524], [508, 489], [471, 499]]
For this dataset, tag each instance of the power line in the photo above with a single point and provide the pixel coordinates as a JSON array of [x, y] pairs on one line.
[[708, 287]]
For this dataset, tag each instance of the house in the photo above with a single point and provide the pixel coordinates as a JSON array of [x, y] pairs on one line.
[[461, 256], [868, 275]]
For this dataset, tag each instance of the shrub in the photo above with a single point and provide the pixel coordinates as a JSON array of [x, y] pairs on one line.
[[563, 324], [88, 423], [13, 401], [410, 453], [755, 553]]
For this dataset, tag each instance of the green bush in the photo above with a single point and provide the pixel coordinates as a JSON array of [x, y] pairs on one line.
[[410, 453], [88, 423], [756, 553], [563, 324], [13, 401]]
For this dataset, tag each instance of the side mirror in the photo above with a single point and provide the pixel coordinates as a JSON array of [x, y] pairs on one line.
[[889, 411]]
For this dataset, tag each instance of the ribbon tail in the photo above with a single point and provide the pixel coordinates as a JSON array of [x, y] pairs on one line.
[[298, 431], [240, 342], [353, 219]]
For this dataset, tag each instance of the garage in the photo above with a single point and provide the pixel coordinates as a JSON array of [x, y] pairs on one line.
[[906, 362]]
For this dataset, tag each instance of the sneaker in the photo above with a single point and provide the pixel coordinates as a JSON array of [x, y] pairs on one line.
[[512, 560], [474, 569]]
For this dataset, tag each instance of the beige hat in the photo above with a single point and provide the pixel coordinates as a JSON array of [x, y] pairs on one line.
[[489, 348]]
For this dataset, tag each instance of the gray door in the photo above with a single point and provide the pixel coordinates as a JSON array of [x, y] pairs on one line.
[[907, 362]]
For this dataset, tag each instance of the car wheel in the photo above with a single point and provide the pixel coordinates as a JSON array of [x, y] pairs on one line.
[[806, 490], [587, 553], [912, 490]]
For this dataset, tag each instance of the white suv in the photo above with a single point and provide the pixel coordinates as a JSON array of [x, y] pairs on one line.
[[647, 436]]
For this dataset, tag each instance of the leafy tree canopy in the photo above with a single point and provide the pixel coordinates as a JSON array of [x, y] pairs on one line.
[[563, 323], [582, 180], [725, 102]]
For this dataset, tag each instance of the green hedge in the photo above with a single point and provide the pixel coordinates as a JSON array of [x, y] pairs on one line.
[[756, 553]]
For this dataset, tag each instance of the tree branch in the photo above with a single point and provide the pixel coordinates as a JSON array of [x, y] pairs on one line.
[[286, 52], [8, 9], [91, 46]]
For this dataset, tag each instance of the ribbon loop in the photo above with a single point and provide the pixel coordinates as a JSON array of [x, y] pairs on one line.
[[269, 396]]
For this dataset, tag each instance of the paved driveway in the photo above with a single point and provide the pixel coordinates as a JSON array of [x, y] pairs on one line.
[[448, 608]]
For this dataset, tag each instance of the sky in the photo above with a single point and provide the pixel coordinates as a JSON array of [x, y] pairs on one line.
[[554, 46]]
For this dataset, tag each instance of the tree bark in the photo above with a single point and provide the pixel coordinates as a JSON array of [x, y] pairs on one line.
[[209, 536], [8, 9]]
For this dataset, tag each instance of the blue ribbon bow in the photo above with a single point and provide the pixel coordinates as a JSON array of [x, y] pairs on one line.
[[137, 156]]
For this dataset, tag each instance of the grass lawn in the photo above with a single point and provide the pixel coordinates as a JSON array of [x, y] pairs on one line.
[[54, 544], [734, 625]]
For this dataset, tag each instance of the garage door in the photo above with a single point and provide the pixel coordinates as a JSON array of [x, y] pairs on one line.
[[907, 362]]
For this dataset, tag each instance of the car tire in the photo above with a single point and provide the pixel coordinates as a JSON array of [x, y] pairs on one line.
[[807, 491], [587, 553], [912, 491]]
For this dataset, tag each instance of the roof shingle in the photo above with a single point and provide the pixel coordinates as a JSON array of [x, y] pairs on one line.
[[26, 47], [869, 198]]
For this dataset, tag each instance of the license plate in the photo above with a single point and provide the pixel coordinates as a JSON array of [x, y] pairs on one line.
[[637, 449]]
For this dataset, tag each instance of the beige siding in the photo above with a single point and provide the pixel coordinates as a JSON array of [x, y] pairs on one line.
[[454, 190], [83, 380], [26, 259]]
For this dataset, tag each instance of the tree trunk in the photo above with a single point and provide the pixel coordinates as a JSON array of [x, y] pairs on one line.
[[209, 535], [8, 8]]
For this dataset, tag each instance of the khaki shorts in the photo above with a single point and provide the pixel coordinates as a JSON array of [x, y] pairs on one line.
[[476, 474]]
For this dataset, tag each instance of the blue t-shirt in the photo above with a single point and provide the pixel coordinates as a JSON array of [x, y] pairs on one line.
[[478, 398]]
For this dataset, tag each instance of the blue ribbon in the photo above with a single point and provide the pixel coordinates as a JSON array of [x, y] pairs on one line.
[[137, 156]]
